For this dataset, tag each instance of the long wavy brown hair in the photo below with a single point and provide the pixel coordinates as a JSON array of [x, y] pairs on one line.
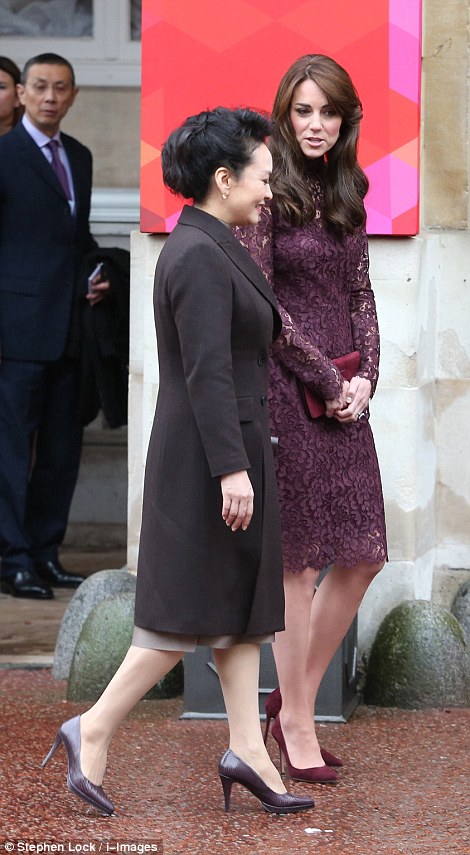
[[344, 181], [9, 67]]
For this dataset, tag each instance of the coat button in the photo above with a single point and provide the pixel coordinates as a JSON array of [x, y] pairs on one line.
[[261, 359], [264, 400]]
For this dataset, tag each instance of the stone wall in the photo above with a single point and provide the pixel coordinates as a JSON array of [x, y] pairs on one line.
[[419, 416], [445, 123], [107, 120]]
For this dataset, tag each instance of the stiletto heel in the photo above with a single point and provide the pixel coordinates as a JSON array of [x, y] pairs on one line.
[[69, 734], [54, 748], [234, 770], [227, 788], [313, 775], [281, 760], [273, 707], [266, 727]]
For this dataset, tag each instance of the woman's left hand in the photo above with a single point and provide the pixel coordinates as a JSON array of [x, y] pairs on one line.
[[237, 499], [357, 400]]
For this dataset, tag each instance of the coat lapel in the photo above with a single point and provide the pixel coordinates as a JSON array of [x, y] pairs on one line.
[[234, 250]]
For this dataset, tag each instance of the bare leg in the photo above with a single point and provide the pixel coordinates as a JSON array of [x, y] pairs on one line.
[[333, 610], [139, 671], [306, 648], [291, 656], [238, 669]]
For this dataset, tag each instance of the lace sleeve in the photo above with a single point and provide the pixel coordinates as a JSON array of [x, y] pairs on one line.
[[304, 360], [292, 348], [258, 240], [364, 323]]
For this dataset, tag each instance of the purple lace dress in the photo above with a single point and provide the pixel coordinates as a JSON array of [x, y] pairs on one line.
[[328, 475]]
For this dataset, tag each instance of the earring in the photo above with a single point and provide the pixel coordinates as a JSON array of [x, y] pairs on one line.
[[224, 195]]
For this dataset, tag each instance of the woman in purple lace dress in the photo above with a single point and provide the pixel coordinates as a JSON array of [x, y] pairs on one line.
[[312, 246]]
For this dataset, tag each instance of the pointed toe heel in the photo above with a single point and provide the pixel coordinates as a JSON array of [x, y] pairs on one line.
[[94, 795], [234, 770], [330, 758], [313, 775], [273, 707]]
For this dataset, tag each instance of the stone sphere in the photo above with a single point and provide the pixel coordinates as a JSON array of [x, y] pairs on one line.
[[99, 586], [418, 659], [102, 645]]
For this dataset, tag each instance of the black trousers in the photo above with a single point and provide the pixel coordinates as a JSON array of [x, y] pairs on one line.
[[40, 448]]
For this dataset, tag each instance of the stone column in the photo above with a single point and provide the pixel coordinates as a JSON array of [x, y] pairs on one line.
[[143, 379]]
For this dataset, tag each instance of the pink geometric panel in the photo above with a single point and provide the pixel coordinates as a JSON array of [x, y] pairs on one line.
[[404, 183], [404, 63], [170, 222], [409, 153], [377, 223], [393, 187], [407, 16], [197, 54]]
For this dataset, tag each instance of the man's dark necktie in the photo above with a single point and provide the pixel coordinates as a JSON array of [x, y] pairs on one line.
[[59, 167]]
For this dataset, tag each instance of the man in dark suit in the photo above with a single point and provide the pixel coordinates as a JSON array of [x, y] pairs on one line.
[[44, 235]]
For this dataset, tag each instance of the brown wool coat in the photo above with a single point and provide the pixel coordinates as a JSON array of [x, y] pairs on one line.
[[215, 318]]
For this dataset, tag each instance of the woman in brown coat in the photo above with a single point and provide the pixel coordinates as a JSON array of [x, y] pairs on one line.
[[210, 569]]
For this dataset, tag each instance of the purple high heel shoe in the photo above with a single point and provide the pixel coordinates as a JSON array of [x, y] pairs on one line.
[[69, 734], [272, 707], [234, 770], [313, 775]]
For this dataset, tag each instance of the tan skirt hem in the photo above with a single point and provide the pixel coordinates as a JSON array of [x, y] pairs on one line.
[[153, 640]]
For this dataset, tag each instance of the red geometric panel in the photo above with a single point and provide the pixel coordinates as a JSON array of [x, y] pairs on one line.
[[198, 55]]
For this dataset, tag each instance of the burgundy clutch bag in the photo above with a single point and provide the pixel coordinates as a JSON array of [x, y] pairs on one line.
[[348, 365]]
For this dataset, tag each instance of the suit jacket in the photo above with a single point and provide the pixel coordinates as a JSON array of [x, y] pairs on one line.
[[41, 245], [216, 317]]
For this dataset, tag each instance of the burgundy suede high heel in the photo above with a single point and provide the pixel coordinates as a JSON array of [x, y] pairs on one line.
[[69, 734], [234, 770], [272, 707], [313, 775]]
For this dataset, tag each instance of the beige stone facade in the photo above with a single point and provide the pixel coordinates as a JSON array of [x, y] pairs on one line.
[[107, 120]]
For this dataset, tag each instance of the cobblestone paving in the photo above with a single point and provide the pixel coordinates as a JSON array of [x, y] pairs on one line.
[[404, 787]]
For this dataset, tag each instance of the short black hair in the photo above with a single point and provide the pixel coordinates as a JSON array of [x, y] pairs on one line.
[[203, 143], [47, 59]]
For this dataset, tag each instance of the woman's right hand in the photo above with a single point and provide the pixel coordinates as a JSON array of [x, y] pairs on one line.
[[237, 499], [333, 405]]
